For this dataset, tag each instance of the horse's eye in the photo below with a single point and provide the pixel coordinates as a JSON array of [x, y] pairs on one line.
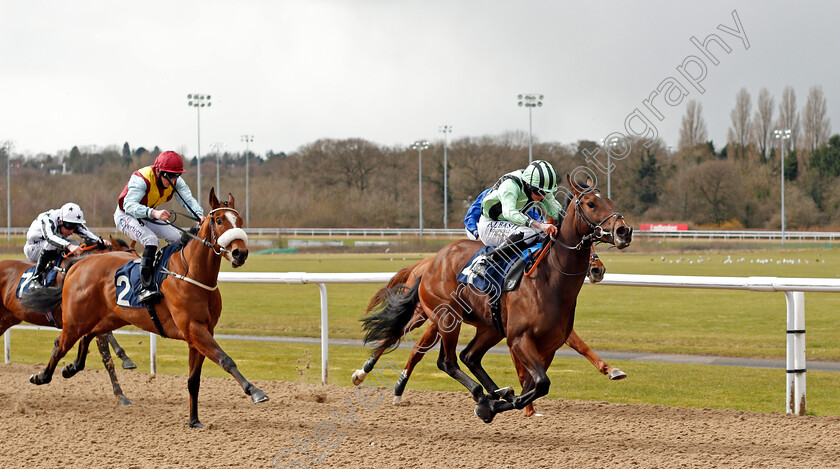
[[590, 204], [219, 221]]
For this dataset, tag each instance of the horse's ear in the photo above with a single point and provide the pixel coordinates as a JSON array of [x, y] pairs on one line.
[[214, 202], [576, 190], [230, 200], [589, 181]]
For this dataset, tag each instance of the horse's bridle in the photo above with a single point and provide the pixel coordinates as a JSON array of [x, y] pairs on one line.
[[214, 241], [214, 237], [598, 232]]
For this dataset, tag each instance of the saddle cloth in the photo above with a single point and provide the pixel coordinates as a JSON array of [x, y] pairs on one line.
[[127, 277], [25, 284], [501, 276]]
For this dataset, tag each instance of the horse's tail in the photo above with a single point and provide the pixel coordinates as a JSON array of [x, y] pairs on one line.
[[399, 278], [42, 300], [386, 327]]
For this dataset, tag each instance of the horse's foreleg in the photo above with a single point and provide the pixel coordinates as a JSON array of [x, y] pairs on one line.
[[473, 353], [102, 344], [62, 345], [526, 383], [127, 363], [428, 340], [79, 364], [193, 383], [574, 341], [201, 338]]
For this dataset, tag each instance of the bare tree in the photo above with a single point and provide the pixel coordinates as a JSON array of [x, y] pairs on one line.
[[816, 127], [763, 123], [789, 120], [739, 133], [693, 130]]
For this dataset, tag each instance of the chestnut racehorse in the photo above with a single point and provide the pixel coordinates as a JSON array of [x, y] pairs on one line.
[[407, 276], [13, 313], [189, 310], [537, 317]]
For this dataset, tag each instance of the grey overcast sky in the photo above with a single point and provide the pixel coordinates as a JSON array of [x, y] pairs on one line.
[[96, 72]]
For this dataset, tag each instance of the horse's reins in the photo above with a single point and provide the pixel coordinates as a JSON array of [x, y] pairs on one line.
[[212, 245]]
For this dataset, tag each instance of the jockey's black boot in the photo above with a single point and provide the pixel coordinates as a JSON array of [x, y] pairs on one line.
[[44, 259], [509, 249], [147, 271]]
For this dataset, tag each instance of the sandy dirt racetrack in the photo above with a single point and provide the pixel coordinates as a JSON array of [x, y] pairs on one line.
[[77, 423]]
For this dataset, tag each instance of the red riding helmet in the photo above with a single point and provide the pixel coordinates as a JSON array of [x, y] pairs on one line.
[[170, 162]]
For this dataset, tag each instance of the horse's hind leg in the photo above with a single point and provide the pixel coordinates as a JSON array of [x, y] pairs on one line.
[[127, 363], [193, 383], [359, 375], [79, 364], [428, 340], [102, 344], [63, 344]]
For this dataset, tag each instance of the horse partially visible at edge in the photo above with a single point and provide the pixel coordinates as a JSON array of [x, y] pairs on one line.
[[12, 312]]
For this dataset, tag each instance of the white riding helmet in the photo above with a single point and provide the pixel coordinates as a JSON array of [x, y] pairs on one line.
[[72, 213]]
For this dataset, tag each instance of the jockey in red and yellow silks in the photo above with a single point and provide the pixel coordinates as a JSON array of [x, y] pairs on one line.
[[146, 189]]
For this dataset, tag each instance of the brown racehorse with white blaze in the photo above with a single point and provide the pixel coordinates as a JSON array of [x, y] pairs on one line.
[[189, 310], [537, 317]]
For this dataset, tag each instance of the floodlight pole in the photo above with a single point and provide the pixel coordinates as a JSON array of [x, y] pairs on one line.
[[420, 145], [782, 135], [218, 147], [446, 129], [6, 146], [530, 101], [198, 101], [247, 139]]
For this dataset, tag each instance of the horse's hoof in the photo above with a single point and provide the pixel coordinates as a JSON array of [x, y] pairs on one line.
[[485, 413], [37, 380], [397, 400], [617, 374], [128, 364], [125, 401], [257, 396], [68, 371], [358, 377], [196, 424]]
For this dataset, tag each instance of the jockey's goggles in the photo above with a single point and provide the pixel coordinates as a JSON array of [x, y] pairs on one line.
[[168, 175], [538, 191], [70, 226]]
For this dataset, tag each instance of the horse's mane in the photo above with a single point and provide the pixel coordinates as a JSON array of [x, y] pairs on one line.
[[185, 236]]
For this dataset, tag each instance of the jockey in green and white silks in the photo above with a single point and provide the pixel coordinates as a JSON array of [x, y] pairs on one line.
[[504, 221]]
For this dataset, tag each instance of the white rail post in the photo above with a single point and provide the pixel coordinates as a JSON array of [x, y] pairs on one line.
[[7, 341], [152, 353], [325, 346], [796, 367]]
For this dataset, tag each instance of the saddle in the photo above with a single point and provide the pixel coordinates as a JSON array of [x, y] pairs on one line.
[[501, 277], [128, 285]]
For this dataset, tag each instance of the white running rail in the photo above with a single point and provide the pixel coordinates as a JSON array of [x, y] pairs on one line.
[[793, 288]]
